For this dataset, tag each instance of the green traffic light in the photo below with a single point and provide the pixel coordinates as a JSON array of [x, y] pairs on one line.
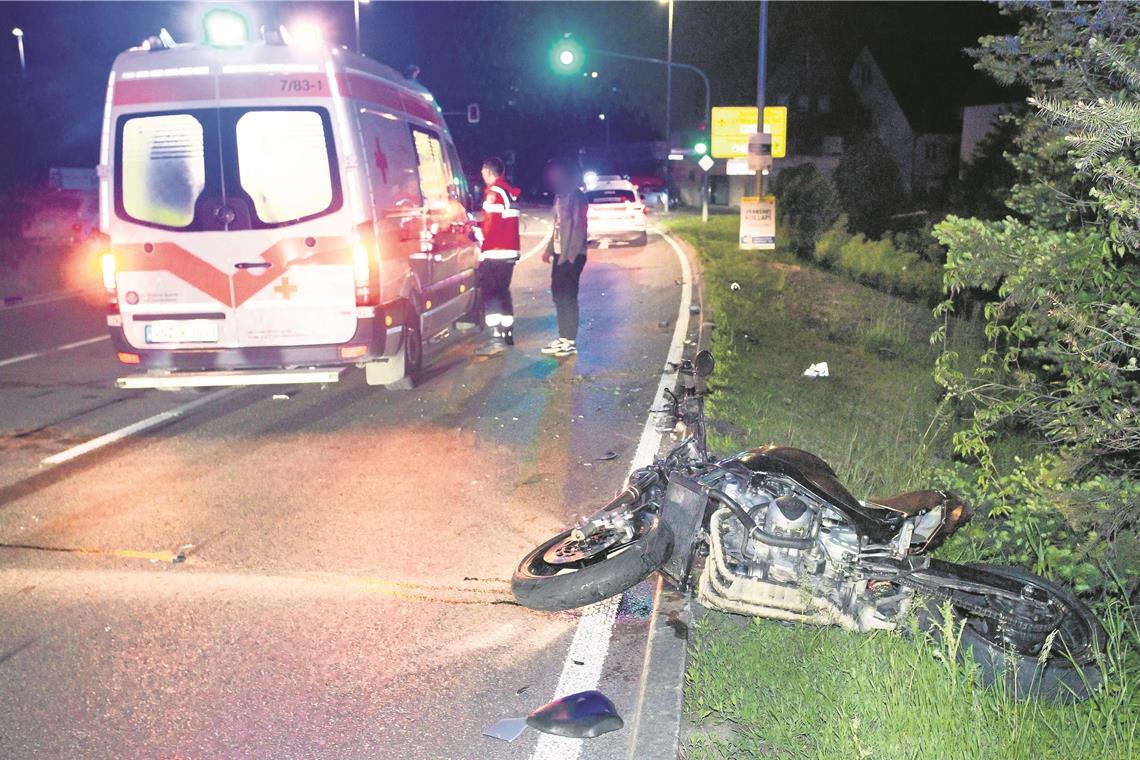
[[566, 57], [700, 149]]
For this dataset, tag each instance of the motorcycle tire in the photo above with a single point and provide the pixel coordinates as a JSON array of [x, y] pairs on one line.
[[550, 588], [1069, 675]]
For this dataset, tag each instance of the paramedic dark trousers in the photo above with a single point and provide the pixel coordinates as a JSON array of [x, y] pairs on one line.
[[564, 287], [495, 285]]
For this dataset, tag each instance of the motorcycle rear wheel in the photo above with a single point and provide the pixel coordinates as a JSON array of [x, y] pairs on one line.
[[1071, 671], [541, 585]]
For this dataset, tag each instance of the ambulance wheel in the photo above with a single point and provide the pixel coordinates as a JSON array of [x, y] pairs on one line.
[[413, 354]]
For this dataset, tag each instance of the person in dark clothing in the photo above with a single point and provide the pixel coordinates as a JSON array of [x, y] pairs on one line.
[[566, 252]]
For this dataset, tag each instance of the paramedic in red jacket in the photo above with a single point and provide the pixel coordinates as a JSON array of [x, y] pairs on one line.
[[499, 254]]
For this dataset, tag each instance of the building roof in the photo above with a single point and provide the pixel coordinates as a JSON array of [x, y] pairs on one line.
[[932, 80]]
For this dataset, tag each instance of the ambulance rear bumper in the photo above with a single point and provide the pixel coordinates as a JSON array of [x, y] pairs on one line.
[[371, 341]]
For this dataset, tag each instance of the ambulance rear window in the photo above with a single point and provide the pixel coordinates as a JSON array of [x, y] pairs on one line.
[[217, 169], [283, 163], [163, 168]]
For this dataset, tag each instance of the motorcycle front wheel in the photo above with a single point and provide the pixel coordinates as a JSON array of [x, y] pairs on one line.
[[1015, 653], [562, 573]]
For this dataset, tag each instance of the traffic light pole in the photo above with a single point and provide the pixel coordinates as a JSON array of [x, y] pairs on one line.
[[707, 112]]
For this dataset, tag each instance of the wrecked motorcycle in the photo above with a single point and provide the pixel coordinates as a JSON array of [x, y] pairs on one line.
[[773, 533]]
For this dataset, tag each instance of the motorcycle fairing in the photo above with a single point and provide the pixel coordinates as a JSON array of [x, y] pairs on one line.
[[879, 525]]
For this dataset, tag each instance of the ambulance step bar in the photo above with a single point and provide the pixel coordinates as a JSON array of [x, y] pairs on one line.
[[215, 379]]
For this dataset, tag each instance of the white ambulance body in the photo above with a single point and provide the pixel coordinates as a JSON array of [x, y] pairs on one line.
[[277, 213]]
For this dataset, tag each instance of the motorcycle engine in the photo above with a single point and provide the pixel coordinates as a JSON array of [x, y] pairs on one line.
[[779, 512], [798, 565]]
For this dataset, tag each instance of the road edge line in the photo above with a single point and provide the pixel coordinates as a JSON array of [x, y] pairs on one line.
[[588, 646]]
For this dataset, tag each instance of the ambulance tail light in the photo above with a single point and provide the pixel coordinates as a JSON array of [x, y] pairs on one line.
[[109, 266], [365, 275]]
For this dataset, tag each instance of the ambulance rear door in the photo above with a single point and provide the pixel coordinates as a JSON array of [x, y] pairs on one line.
[[245, 241]]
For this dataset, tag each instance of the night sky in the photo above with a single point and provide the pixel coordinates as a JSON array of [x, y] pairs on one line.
[[487, 52]]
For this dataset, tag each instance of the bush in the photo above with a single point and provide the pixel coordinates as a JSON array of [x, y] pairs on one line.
[[877, 263], [1032, 516], [806, 205], [869, 186]]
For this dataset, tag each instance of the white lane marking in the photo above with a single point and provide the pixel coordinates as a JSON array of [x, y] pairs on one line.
[[40, 300], [591, 642], [133, 429], [541, 244], [64, 347]]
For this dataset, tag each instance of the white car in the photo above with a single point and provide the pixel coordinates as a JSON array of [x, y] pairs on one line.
[[616, 211]]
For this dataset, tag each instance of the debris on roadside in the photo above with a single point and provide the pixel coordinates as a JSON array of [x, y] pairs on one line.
[[584, 715], [734, 286], [607, 456], [818, 369], [507, 729], [282, 396], [694, 309]]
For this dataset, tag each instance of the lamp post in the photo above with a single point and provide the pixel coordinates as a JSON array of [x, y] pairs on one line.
[[18, 33], [669, 78], [605, 122], [356, 20]]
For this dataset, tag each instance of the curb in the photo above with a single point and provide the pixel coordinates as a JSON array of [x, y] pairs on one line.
[[658, 720]]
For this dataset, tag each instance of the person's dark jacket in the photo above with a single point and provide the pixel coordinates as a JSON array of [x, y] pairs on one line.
[[570, 210]]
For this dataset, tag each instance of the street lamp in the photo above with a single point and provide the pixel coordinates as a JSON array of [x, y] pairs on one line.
[[669, 77], [18, 33], [356, 20], [575, 58], [606, 123], [567, 55]]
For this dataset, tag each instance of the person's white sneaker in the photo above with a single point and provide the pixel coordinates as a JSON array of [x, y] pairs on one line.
[[554, 346], [569, 348]]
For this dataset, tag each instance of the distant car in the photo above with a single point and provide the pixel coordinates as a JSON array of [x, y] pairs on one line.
[[58, 215], [654, 192], [616, 211]]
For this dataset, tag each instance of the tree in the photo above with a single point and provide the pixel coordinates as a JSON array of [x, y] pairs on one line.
[[986, 181], [1063, 327], [870, 186]]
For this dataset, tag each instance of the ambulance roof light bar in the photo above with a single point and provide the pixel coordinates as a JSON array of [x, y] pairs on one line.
[[223, 27], [164, 40]]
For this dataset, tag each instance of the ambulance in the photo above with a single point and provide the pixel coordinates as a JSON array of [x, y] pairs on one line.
[[277, 211]]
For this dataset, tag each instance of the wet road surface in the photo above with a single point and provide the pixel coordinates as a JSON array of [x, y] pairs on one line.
[[318, 576]]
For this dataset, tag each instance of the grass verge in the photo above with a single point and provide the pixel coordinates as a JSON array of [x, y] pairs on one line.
[[761, 689]]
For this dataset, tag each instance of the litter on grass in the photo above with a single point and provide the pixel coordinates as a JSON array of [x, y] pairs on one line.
[[817, 370]]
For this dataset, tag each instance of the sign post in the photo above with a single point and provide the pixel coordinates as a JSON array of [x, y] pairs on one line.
[[758, 223]]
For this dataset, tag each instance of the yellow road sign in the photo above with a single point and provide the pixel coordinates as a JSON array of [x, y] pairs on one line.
[[775, 124], [731, 126]]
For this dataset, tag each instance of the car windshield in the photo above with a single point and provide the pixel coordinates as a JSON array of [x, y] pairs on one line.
[[267, 167], [611, 196]]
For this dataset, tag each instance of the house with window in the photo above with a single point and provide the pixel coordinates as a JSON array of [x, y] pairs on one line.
[[914, 115]]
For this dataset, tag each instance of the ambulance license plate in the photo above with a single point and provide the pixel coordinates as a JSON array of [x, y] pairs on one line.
[[187, 331]]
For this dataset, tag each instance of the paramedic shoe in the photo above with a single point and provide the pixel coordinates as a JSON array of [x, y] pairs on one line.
[[493, 348], [554, 346], [568, 348]]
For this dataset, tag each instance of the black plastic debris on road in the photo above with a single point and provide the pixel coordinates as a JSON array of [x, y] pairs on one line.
[[584, 715]]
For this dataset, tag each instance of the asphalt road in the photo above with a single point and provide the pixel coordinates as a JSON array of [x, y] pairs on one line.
[[344, 592]]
